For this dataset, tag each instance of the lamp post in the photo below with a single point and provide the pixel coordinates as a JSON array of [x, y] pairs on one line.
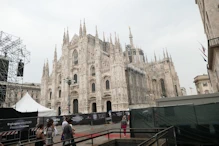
[[69, 82]]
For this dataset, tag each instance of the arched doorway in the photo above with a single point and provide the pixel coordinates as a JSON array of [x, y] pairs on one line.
[[75, 106], [59, 111], [108, 106], [94, 107]]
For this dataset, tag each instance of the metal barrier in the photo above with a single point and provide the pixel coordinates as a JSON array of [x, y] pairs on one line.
[[92, 136], [8, 136], [164, 135]]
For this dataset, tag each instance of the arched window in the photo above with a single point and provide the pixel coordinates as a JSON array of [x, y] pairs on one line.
[[92, 70], [163, 87], [206, 91], [93, 87], [75, 78], [60, 93], [107, 84], [75, 57], [60, 79], [50, 95], [176, 90]]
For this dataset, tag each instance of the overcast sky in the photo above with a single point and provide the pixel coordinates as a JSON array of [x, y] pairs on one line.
[[156, 24]]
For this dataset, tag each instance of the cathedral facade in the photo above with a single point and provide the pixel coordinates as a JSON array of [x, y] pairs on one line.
[[104, 77]]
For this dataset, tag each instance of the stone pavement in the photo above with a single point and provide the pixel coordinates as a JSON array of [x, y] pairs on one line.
[[83, 130]]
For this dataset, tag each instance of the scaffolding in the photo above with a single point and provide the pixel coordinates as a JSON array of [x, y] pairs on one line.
[[12, 52]]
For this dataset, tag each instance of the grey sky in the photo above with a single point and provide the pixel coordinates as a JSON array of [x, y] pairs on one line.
[[156, 24]]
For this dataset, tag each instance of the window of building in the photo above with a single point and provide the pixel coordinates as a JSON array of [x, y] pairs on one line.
[[75, 78], [60, 79], [176, 90], [206, 91], [75, 56], [92, 71], [205, 84], [60, 93], [107, 84], [163, 87], [93, 87], [50, 95]]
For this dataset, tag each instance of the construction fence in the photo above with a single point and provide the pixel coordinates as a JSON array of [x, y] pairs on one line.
[[193, 123]]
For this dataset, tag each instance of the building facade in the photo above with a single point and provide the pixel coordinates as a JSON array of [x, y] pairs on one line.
[[104, 77], [209, 10], [203, 85], [14, 92], [183, 90]]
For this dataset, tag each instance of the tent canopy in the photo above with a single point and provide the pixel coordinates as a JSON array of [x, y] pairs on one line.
[[28, 104]]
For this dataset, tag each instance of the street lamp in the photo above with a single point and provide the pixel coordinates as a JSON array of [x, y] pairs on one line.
[[69, 82]]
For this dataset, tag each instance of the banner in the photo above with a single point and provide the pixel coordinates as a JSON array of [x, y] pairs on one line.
[[11, 119], [17, 124], [99, 118], [81, 119], [117, 116]]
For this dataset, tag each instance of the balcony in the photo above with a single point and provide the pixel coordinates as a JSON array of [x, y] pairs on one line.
[[212, 45]]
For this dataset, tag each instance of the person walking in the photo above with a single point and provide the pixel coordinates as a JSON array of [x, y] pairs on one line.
[[50, 132], [64, 123], [40, 136], [124, 125], [68, 134]]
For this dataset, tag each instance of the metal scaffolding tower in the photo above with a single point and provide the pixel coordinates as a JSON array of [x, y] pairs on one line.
[[13, 58]]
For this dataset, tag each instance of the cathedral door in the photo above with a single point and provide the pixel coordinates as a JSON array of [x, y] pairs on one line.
[[75, 106], [59, 111], [108, 106], [94, 107]]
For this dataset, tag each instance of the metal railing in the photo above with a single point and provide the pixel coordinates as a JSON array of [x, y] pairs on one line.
[[213, 42], [163, 136], [92, 136]]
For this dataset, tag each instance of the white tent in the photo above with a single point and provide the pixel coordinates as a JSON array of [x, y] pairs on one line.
[[28, 104]]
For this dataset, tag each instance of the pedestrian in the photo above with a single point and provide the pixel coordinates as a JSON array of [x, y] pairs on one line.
[[64, 123], [40, 136], [124, 125], [68, 134], [50, 132]]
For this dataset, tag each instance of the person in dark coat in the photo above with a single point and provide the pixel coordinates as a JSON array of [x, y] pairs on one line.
[[68, 132]]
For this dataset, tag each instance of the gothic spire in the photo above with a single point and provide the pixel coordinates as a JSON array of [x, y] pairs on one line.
[[64, 39], [103, 37], [131, 38], [111, 42], [126, 54], [47, 68], [84, 29], [80, 30], [67, 37], [96, 33], [146, 58], [164, 54], [167, 53], [55, 54], [44, 69], [119, 45], [155, 57], [115, 39]]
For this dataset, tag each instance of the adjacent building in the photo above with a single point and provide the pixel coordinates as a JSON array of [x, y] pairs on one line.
[[104, 77], [209, 10], [14, 92], [203, 85], [183, 90]]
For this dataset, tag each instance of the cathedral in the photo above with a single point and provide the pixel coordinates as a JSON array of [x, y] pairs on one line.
[[95, 75]]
